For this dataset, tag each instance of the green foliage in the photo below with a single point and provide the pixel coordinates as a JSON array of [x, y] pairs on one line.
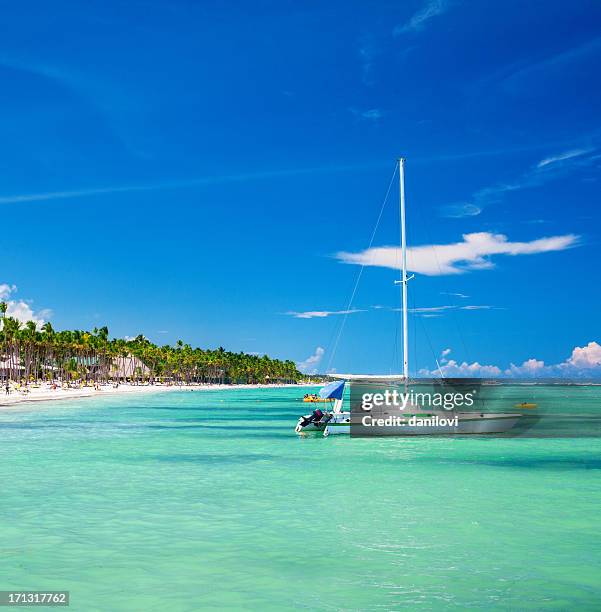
[[28, 353]]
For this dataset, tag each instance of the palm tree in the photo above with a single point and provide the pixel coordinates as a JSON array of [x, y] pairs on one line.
[[78, 354]]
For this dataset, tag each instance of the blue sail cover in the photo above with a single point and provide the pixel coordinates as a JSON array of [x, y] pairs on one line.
[[334, 390]]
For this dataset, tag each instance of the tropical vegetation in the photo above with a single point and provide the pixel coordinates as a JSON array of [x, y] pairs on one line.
[[28, 353]]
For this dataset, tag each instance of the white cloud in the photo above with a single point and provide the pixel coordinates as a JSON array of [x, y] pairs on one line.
[[584, 362], [563, 157], [454, 369], [311, 363], [459, 257], [321, 314], [20, 309], [530, 367], [586, 357], [417, 22], [6, 290], [444, 354]]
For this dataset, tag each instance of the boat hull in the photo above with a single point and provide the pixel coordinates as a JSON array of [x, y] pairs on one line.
[[312, 426]]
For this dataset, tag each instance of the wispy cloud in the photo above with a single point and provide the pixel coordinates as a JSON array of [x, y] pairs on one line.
[[371, 114], [438, 311], [472, 253], [459, 295], [547, 169], [178, 184], [368, 51], [458, 211], [554, 61], [418, 20], [321, 314], [430, 309], [561, 157], [114, 103], [481, 197]]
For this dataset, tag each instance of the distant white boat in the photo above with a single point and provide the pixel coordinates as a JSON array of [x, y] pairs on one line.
[[414, 420]]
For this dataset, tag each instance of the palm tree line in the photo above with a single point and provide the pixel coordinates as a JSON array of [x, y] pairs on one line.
[[30, 354]]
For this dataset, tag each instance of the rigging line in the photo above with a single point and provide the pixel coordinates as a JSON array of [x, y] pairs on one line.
[[414, 323], [415, 316], [452, 313], [360, 273], [427, 336], [395, 346]]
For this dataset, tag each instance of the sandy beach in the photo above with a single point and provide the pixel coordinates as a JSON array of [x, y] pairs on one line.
[[45, 393]]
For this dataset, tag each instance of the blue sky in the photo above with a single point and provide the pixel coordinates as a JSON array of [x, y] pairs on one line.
[[213, 172]]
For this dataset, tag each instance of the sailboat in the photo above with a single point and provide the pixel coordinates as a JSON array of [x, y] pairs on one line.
[[412, 419]]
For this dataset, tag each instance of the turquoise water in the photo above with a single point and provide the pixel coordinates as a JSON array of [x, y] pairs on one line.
[[208, 500]]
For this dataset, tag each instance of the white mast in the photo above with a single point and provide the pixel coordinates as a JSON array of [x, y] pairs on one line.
[[404, 278]]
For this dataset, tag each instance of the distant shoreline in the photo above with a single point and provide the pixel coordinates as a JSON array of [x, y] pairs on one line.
[[46, 394]]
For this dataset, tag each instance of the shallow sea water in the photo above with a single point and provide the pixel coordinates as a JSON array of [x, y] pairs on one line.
[[209, 500]]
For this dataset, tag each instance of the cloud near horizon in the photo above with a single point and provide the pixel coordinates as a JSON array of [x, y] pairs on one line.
[[311, 364], [20, 309], [472, 253], [585, 361]]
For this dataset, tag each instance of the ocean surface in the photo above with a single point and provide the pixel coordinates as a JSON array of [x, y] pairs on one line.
[[209, 500]]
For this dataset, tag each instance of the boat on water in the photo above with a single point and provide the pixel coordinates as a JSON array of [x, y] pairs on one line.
[[412, 419], [312, 398]]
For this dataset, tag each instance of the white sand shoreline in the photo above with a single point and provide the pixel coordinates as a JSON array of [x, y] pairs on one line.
[[46, 394]]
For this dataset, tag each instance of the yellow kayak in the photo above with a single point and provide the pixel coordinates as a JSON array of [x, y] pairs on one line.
[[525, 405], [313, 399]]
